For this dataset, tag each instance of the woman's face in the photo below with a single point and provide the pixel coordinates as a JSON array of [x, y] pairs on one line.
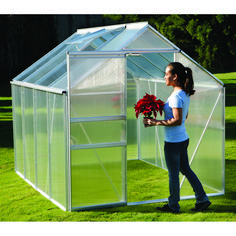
[[169, 78]]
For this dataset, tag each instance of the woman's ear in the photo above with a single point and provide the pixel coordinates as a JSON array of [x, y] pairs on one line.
[[175, 77]]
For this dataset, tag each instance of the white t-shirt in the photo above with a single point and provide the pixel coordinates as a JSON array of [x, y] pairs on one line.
[[178, 99]]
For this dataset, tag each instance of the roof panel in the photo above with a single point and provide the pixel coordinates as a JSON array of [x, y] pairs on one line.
[[149, 39], [51, 70], [50, 65], [53, 75], [86, 37], [60, 83], [200, 75], [131, 31], [98, 42], [41, 62], [149, 68]]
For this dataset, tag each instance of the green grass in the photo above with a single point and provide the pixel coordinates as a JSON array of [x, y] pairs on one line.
[[20, 202]]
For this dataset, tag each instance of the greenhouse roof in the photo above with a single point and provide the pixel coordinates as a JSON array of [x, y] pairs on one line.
[[50, 72]]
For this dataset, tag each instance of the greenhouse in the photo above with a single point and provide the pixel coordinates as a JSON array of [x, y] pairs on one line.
[[76, 138]]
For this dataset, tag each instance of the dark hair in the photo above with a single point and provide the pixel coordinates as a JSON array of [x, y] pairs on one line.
[[185, 77]]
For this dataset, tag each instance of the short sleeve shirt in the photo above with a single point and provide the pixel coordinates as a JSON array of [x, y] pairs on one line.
[[178, 99]]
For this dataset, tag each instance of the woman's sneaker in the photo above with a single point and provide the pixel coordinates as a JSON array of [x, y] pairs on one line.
[[166, 208], [201, 206]]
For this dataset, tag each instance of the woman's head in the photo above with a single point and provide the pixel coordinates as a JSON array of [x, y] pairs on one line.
[[178, 75]]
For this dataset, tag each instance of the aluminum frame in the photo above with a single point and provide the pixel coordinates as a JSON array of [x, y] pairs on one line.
[[38, 87], [97, 54]]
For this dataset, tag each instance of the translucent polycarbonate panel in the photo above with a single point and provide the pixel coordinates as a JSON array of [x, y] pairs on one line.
[[98, 42], [97, 86], [75, 37], [136, 71], [201, 76], [79, 68], [206, 133], [28, 134], [131, 31], [151, 139], [144, 64], [149, 65], [52, 76], [101, 40], [17, 126], [132, 138], [159, 60], [86, 35], [152, 145], [42, 143], [162, 92], [60, 83], [61, 47], [148, 144], [149, 39], [46, 71], [98, 176], [80, 40], [95, 44], [96, 105], [166, 56], [57, 140], [201, 107], [97, 132], [208, 163]]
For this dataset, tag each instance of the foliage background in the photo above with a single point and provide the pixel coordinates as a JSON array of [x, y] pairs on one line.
[[208, 39]]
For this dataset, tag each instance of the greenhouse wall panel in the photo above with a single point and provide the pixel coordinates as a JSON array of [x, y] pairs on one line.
[[17, 129], [97, 176], [132, 122], [28, 124], [42, 137], [41, 131], [58, 145]]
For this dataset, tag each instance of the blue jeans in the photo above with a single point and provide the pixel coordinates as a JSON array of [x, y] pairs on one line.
[[176, 157]]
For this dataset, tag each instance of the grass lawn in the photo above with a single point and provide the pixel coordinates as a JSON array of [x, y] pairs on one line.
[[20, 202]]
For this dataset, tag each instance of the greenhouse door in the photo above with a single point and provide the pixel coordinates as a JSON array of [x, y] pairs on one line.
[[97, 102]]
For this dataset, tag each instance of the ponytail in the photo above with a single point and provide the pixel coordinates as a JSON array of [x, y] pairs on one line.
[[185, 77], [189, 83]]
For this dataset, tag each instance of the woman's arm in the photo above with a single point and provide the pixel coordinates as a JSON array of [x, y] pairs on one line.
[[175, 121]]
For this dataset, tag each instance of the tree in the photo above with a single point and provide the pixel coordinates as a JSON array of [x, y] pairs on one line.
[[209, 39], [24, 39]]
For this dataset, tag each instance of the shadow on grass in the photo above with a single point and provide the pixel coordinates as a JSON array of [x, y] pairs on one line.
[[6, 128], [230, 129], [150, 208], [230, 95], [220, 208], [6, 137]]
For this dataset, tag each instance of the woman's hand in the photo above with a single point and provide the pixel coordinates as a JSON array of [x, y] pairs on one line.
[[175, 121], [150, 122]]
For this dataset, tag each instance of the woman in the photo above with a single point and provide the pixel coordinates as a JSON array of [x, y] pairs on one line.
[[176, 137]]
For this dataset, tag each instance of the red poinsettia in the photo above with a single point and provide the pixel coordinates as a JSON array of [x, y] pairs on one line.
[[148, 105]]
